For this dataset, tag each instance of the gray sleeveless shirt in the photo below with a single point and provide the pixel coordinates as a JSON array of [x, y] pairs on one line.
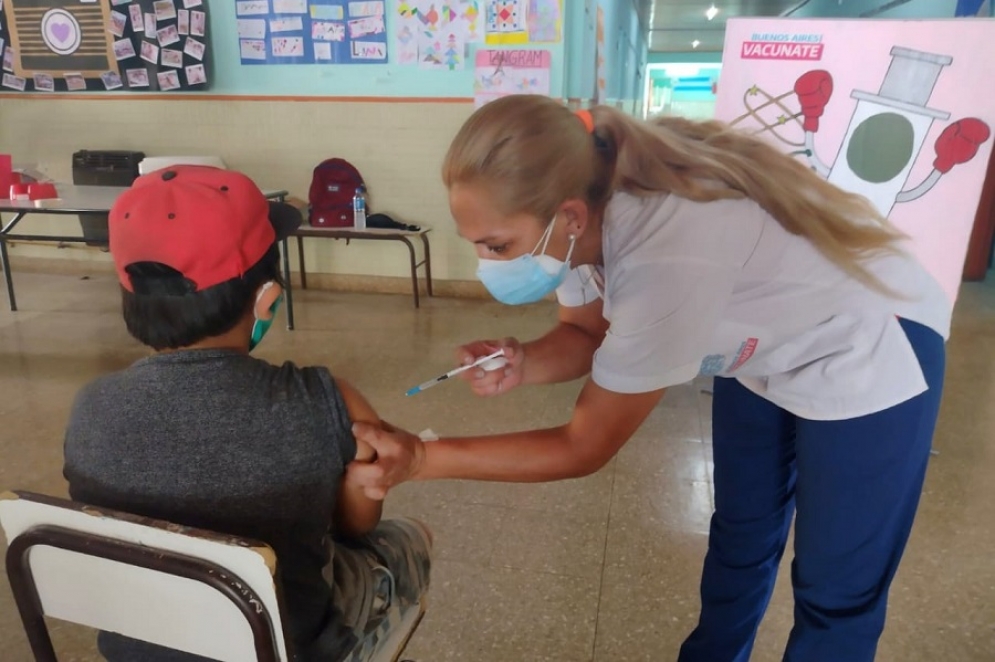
[[219, 440]]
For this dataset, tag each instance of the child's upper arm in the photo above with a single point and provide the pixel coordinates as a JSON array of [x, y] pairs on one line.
[[360, 411], [355, 513]]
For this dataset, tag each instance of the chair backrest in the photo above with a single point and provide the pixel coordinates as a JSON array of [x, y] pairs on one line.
[[183, 588], [153, 163]]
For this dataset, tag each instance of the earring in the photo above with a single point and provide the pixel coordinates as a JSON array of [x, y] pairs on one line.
[[572, 237]]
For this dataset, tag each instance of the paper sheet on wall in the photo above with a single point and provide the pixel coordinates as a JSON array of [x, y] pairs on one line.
[[500, 73], [545, 21], [467, 21], [506, 22], [436, 35], [406, 31], [441, 51]]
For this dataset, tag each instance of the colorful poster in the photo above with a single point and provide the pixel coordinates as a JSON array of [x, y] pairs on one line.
[[545, 20], [500, 73], [506, 22], [311, 31], [902, 120], [441, 52], [465, 17], [406, 33], [436, 35]]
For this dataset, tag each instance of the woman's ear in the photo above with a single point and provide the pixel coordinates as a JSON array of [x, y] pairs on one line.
[[577, 216], [266, 296]]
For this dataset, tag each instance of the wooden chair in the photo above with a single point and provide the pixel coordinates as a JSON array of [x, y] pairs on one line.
[[187, 589]]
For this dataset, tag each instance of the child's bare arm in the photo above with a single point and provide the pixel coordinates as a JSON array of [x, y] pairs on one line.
[[355, 514]]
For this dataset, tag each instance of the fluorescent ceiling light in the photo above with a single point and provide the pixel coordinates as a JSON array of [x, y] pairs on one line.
[[711, 12], [695, 44]]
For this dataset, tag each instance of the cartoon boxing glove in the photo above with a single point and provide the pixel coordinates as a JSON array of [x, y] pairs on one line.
[[959, 143], [814, 90]]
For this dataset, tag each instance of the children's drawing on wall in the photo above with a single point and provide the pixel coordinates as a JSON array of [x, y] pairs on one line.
[[441, 51], [545, 21], [468, 13], [507, 22], [406, 31], [500, 73], [435, 34], [900, 121]]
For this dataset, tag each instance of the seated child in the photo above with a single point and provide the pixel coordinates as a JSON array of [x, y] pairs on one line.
[[202, 434]]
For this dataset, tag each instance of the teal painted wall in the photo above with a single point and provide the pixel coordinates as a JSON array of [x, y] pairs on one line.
[[581, 35], [625, 50]]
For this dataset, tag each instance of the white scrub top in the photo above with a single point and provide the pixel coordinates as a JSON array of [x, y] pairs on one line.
[[721, 288]]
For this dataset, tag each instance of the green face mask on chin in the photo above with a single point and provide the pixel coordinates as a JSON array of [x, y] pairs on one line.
[[260, 327]]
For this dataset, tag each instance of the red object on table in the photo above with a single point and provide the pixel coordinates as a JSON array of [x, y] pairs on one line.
[[18, 191], [7, 175], [42, 191]]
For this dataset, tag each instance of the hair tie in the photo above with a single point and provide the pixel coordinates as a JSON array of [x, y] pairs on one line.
[[587, 118]]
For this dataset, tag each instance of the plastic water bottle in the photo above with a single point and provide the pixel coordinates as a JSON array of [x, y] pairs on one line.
[[359, 209]]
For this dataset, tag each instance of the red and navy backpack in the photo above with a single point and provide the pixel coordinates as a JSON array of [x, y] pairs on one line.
[[333, 187]]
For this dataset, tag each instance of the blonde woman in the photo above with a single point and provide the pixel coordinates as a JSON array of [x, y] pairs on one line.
[[677, 249]]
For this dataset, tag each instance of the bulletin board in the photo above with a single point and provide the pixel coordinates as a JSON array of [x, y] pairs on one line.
[[311, 31], [69, 45]]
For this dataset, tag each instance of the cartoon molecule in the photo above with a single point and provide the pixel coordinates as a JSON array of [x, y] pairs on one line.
[[888, 129]]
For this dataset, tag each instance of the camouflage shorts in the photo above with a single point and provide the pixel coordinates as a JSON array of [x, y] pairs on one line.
[[375, 580]]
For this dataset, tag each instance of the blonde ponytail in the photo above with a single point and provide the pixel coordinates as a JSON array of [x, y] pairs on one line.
[[707, 161]]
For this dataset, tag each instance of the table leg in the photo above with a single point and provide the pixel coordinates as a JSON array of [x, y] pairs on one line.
[[300, 262], [428, 264], [5, 259], [414, 269], [288, 287]]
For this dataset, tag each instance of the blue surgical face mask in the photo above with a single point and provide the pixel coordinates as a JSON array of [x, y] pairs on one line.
[[260, 327], [527, 278]]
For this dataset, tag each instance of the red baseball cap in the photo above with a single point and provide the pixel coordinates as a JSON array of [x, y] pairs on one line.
[[211, 225]]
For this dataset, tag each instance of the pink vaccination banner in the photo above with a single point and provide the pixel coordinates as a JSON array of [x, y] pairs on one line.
[[901, 112]]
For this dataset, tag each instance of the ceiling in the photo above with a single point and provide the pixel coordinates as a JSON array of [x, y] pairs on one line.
[[675, 24]]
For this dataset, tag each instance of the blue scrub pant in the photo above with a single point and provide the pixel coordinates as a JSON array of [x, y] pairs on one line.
[[855, 485]]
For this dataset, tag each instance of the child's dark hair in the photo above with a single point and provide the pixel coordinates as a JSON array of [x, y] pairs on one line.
[[166, 312]]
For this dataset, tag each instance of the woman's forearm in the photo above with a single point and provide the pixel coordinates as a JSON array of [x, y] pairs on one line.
[[562, 355], [523, 457]]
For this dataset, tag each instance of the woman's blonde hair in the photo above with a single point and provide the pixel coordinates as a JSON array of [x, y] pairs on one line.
[[530, 153]]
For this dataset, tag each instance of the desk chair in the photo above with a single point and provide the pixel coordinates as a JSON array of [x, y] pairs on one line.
[[187, 589], [153, 163]]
